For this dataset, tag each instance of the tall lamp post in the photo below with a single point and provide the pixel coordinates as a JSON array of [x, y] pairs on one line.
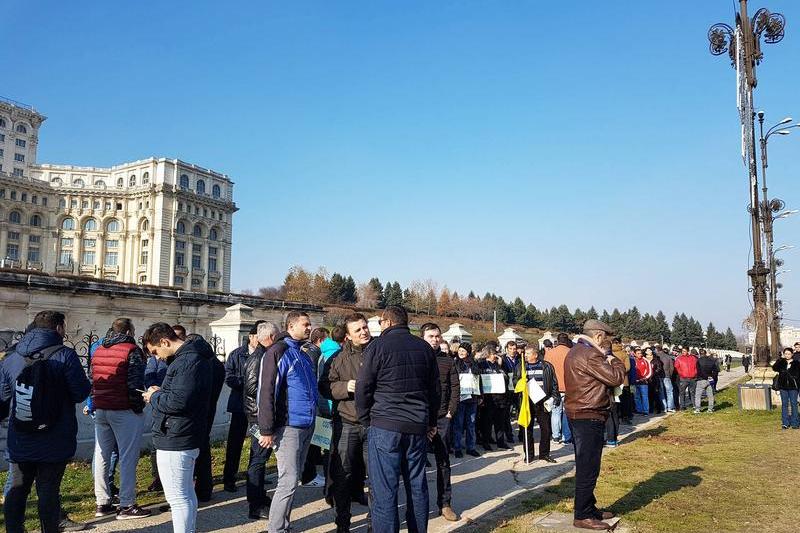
[[769, 209], [743, 45]]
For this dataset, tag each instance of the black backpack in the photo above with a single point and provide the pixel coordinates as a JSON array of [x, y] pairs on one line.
[[38, 393]]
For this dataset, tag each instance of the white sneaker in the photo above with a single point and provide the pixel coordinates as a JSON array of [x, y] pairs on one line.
[[318, 481]]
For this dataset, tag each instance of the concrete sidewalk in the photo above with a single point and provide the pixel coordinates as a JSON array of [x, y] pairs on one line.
[[480, 486]]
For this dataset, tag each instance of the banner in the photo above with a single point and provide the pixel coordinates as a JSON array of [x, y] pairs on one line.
[[469, 385], [323, 432], [535, 392], [493, 383]]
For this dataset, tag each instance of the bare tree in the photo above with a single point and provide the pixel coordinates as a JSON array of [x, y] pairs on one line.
[[367, 296]]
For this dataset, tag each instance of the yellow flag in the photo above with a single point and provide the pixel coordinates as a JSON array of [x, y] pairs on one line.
[[524, 419]]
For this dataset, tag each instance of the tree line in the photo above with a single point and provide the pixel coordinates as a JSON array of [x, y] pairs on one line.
[[426, 297]]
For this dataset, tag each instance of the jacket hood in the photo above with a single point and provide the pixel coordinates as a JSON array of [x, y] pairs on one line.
[[36, 340], [199, 345], [117, 338], [329, 347]]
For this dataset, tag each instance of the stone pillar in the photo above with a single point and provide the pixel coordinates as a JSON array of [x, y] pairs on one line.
[[234, 327]]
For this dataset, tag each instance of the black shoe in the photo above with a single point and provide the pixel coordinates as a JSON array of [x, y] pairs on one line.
[[258, 514], [503, 446], [459, 455], [473, 453], [132, 512], [70, 525], [155, 486], [165, 508], [548, 459], [487, 447], [104, 510], [230, 486]]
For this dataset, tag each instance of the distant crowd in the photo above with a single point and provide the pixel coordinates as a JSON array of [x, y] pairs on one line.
[[342, 411]]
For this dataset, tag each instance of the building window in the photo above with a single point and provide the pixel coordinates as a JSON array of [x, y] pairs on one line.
[[142, 279], [212, 284], [85, 204], [14, 217], [181, 227], [132, 180], [205, 212], [197, 231], [145, 178], [56, 182], [33, 248], [34, 199], [179, 280], [90, 225], [110, 277], [119, 206], [19, 157], [89, 243], [2, 138], [113, 226], [36, 221], [20, 142], [2, 123], [140, 206], [44, 201], [120, 183], [68, 224], [195, 282], [18, 173], [1, 153], [111, 259], [24, 197], [62, 204], [184, 182], [201, 187], [145, 225], [73, 204], [87, 258], [144, 254], [215, 191], [2, 193], [95, 205], [13, 236], [77, 182], [13, 195], [180, 257], [180, 206], [212, 264], [197, 259], [213, 234], [65, 257], [108, 206], [12, 251], [66, 242], [100, 184], [112, 244], [21, 128]]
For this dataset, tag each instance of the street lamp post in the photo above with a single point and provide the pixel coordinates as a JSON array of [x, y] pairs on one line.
[[743, 45], [769, 208]]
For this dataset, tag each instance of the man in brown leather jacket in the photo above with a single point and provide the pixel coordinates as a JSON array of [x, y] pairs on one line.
[[590, 376]]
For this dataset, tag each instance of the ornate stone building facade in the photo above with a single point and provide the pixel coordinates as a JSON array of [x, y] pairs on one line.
[[155, 221]]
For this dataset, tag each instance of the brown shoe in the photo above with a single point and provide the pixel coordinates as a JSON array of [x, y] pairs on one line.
[[591, 523], [448, 514], [607, 515]]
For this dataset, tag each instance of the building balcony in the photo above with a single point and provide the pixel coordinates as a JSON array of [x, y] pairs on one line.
[[110, 269], [214, 274], [181, 269], [88, 269], [198, 272], [141, 268], [34, 265], [65, 267]]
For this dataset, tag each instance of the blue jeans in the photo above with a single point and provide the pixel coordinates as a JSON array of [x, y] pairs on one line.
[[667, 398], [566, 428], [176, 470], [555, 419], [642, 403], [464, 421], [392, 454], [789, 403]]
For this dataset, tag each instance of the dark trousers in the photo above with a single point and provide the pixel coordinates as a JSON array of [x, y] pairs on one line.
[[313, 458], [48, 486], [588, 437], [626, 403], [348, 462], [540, 415], [505, 412], [154, 466], [686, 388], [256, 469], [204, 480], [233, 448], [392, 455], [612, 424], [491, 421], [444, 491]]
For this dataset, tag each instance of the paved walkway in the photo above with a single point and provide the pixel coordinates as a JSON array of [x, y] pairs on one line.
[[480, 486]]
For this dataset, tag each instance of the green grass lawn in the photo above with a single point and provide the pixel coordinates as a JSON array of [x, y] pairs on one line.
[[77, 489], [724, 472]]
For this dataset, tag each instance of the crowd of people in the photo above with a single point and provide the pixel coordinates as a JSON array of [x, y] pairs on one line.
[[389, 402]]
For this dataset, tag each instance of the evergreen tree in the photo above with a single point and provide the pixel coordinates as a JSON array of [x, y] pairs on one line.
[[406, 299], [663, 327], [606, 318], [393, 294], [650, 328], [336, 294], [695, 332], [349, 291], [579, 317], [730, 340], [591, 314], [633, 323], [680, 330], [377, 286], [617, 322], [562, 320], [531, 317], [517, 310], [504, 312]]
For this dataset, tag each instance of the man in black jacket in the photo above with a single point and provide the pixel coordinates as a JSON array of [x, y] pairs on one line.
[[397, 396], [234, 378], [257, 500], [707, 374], [450, 394], [349, 438], [180, 411]]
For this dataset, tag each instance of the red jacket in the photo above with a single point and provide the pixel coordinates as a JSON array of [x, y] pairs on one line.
[[110, 376], [644, 370], [686, 366]]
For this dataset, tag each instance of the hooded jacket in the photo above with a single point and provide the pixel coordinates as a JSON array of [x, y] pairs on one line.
[[288, 387], [589, 378], [333, 381], [117, 371], [60, 442], [180, 407]]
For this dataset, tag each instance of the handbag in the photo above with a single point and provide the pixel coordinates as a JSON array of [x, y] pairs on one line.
[[776, 382]]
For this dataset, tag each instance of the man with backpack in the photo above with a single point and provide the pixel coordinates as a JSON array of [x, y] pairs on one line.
[[43, 380], [117, 370]]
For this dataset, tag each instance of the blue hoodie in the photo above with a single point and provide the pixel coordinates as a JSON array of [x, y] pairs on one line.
[[59, 443]]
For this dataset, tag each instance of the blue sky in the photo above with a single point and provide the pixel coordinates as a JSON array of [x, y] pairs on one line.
[[583, 153]]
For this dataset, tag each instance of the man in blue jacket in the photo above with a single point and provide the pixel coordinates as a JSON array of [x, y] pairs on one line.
[[42, 455], [287, 406], [397, 396], [234, 377], [154, 374], [180, 410]]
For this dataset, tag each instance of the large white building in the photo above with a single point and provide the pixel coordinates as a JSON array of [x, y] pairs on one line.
[[155, 221]]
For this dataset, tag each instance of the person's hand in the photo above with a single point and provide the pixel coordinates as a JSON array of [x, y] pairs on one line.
[[449, 415], [351, 386], [610, 358], [86, 410], [265, 441], [149, 393], [432, 432]]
